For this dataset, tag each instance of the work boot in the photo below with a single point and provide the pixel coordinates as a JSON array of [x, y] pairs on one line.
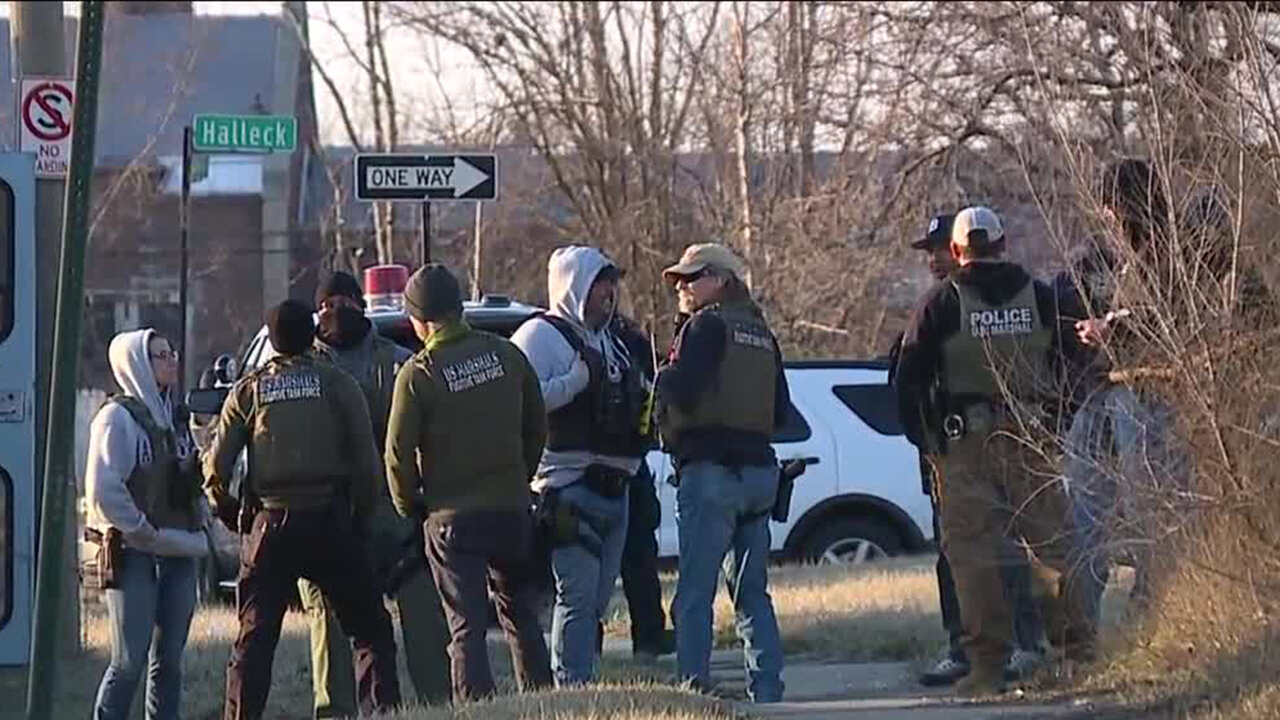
[[982, 681], [945, 672]]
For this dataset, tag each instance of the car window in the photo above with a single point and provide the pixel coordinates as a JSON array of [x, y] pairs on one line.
[[795, 429], [875, 405]]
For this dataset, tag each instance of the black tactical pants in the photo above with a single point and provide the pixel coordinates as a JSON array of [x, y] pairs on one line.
[[640, 567], [320, 546], [471, 555]]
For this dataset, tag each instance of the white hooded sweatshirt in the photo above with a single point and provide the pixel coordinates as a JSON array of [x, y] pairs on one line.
[[117, 444], [570, 273]]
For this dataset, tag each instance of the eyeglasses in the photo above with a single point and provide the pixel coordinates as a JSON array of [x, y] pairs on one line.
[[165, 355]]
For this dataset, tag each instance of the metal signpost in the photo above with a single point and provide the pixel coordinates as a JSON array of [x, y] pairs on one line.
[[214, 133]]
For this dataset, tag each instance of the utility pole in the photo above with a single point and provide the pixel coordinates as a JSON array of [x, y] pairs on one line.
[[58, 470], [184, 224], [426, 232], [39, 39]]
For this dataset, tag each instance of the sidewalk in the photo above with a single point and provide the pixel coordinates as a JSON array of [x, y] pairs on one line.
[[864, 691]]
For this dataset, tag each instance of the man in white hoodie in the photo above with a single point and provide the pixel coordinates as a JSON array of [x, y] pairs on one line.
[[594, 395], [143, 485]]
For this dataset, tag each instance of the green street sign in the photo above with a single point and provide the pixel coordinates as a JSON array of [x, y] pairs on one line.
[[244, 133]]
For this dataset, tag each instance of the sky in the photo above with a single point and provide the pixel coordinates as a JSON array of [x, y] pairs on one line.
[[419, 92]]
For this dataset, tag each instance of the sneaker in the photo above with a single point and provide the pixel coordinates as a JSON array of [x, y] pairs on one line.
[[946, 672], [1022, 665]]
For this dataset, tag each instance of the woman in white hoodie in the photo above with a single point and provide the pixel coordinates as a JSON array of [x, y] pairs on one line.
[[142, 482]]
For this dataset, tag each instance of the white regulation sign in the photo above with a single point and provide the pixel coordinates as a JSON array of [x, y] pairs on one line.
[[44, 123]]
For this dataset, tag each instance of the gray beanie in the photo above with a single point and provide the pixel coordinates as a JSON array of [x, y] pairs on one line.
[[433, 293]]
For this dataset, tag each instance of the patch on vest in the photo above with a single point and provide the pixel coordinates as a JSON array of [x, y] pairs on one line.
[[475, 370], [1006, 321], [293, 386], [752, 338]]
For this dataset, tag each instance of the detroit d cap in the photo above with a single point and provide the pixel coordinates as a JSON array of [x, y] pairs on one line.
[[976, 226], [938, 235]]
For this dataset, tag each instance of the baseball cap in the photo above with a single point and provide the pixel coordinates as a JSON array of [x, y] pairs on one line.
[[939, 234], [976, 226], [706, 255]]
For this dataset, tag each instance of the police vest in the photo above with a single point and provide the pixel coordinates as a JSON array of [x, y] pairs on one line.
[[298, 452], [741, 397], [473, 455], [154, 484], [607, 416], [998, 345]]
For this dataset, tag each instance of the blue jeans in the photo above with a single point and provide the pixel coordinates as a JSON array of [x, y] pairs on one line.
[[150, 614], [719, 509], [1120, 446], [584, 582]]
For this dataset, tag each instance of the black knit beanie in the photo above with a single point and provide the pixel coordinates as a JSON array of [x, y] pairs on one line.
[[433, 293], [290, 327]]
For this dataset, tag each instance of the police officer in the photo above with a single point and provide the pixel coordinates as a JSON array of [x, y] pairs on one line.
[[314, 477], [595, 399], [1028, 631], [721, 396], [650, 636], [348, 339], [988, 335], [466, 431]]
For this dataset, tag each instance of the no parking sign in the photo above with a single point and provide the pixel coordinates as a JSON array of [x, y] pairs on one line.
[[44, 127]]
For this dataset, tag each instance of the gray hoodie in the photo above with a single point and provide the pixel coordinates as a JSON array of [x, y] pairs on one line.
[[117, 443], [570, 273]]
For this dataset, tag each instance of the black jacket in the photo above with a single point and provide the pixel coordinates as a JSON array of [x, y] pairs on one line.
[[937, 318]]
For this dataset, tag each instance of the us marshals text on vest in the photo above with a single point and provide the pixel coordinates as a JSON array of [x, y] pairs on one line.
[[473, 371], [279, 388]]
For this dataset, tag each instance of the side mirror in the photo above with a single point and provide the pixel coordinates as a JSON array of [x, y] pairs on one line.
[[207, 401], [224, 370]]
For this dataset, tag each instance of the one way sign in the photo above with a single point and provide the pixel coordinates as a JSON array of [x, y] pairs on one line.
[[426, 177]]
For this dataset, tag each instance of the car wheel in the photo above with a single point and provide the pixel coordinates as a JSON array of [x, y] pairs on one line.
[[851, 541]]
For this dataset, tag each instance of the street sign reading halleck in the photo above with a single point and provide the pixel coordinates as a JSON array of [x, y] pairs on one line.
[[426, 177], [244, 133]]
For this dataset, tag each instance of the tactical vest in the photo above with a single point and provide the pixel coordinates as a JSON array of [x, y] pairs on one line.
[[996, 342], [607, 416], [474, 432], [741, 397], [296, 451], [153, 484]]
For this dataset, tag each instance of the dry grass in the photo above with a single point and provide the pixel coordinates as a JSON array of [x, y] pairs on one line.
[[887, 611]]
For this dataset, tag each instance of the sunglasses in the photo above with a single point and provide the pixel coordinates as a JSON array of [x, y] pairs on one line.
[[694, 277]]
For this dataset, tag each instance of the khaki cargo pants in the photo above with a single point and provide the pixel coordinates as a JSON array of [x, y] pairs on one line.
[[993, 490]]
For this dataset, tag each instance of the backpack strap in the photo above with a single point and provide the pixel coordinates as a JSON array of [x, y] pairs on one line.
[[141, 414], [571, 335]]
